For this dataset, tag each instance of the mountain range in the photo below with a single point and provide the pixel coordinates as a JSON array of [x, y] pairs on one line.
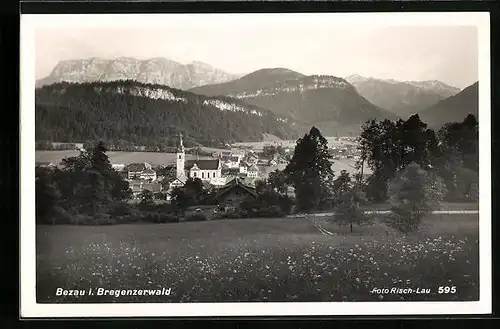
[[338, 106], [402, 98], [155, 71], [327, 102]]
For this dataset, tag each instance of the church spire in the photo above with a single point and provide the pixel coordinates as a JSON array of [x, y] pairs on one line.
[[180, 163], [180, 147]]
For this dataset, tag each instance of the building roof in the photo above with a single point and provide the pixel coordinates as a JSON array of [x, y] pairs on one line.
[[149, 171], [253, 168], [236, 182], [234, 159], [153, 187], [136, 167], [210, 164], [230, 171], [43, 163], [249, 181]]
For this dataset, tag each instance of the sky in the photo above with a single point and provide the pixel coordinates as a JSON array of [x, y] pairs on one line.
[[448, 53]]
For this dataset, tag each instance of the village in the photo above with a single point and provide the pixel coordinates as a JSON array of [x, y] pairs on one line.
[[233, 172], [226, 170]]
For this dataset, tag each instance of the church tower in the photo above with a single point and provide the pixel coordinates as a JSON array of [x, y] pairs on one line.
[[181, 158]]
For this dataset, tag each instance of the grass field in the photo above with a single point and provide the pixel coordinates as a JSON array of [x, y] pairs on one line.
[[259, 260]]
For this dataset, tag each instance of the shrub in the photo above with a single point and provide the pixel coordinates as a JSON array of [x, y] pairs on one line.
[[261, 210], [120, 209], [413, 193], [100, 219], [61, 216], [199, 217]]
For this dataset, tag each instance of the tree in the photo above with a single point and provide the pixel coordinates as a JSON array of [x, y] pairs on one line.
[[94, 195], [147, 197], [46, 199], [413, 194], [310, 171], [88, 184], [342, 184], [347, 208], [190, 194], [388, 147], [277, 179]]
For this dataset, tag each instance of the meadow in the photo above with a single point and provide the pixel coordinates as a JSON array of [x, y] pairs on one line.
[[275, 260]]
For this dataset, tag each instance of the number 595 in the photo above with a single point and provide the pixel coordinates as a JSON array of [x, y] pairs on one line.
[[447, 290]]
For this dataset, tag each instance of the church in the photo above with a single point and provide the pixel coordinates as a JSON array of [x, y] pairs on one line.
[[208, 170]]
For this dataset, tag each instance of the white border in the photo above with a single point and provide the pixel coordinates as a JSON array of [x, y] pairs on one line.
[[29, 307]]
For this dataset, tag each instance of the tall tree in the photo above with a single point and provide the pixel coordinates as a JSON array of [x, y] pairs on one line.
[[310, 171]]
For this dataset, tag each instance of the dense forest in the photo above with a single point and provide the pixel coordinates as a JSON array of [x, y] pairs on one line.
[[142, 114]]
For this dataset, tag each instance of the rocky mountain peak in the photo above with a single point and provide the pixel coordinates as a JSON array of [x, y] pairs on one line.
[[155, 70]]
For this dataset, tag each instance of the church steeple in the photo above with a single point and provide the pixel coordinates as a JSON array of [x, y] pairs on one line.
[[180, 156], [180, 146]]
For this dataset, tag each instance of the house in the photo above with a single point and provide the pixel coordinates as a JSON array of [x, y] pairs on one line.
[[43, 164], [140, 171], [230, 172], [251, 158], [243, 169], [118, 167], [253, 172], [138, 186], [149, 175], [233, 193], [272, 163]]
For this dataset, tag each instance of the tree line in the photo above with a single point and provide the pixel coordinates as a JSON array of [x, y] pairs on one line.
[[450, 154], [414, 169]]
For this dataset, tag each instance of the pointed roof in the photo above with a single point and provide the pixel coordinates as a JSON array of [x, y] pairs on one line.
[[253, 168], [209, 164], [236, 182]]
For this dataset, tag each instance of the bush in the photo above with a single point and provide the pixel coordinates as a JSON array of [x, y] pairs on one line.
[[100, 219], [260, 209], [61, 216], [200, 217], [233, 214], [413, 193], [120, 210], [154, 217], [270, 211]]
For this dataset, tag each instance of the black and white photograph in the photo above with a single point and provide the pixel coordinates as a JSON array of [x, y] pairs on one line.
[[255, 164]]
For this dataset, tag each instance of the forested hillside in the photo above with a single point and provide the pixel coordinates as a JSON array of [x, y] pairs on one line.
[[146, 114]]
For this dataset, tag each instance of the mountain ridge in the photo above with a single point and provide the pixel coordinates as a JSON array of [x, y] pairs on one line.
[[155, 70], [328, 102], [403, 98], [145, 112], [453, 108]]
